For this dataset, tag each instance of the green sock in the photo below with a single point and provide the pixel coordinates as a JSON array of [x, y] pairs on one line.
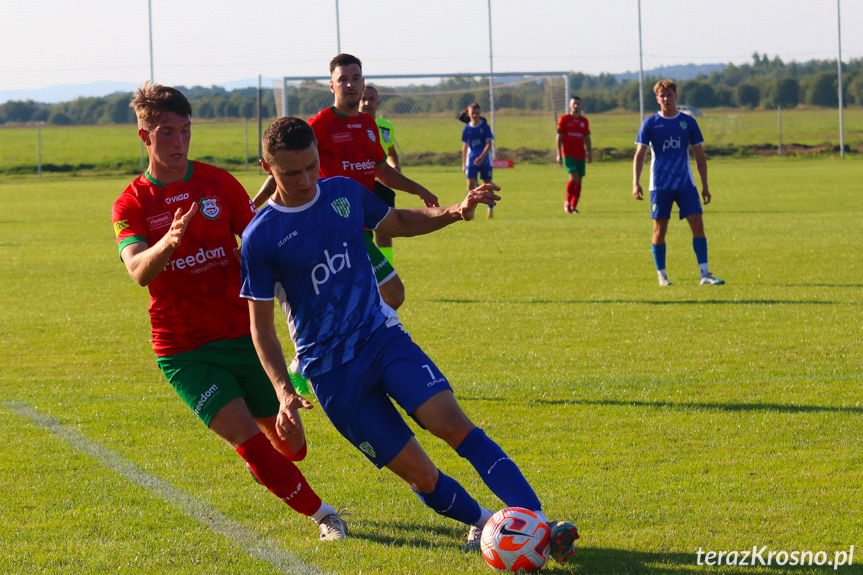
[[388, 253]]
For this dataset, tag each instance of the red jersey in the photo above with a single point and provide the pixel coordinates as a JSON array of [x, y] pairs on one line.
[[195, 299], [573, 131], [348, 146]]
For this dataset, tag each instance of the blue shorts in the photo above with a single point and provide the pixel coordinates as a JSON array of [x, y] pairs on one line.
[[356, 395], [688, 203], [484, 171]]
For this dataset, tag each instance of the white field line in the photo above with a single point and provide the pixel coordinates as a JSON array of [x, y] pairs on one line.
[[255, 545]]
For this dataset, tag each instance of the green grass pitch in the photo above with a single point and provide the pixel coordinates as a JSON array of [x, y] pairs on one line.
[[660, 421]]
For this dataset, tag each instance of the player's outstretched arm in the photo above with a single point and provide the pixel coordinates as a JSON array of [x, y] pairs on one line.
[[396, 180], [407, 223], [144, 263], [637, 166], [289, 426]]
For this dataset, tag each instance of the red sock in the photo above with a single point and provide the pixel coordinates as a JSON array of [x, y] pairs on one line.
[[570, 194], [576, 194], [279, 474]]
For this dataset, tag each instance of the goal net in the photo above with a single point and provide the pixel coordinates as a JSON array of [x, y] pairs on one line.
[[522, 110]]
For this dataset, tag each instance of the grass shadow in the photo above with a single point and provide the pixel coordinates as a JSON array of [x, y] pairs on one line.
[[639, 301], [405, 534], [686, 406]]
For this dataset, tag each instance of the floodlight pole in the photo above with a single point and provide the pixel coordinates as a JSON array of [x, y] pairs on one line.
[[491, 80], [338, 31], [641, 67], [260, 125], [150, 18], [839, 65]]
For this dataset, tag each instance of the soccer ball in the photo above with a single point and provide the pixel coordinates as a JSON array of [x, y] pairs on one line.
[[515, 539]]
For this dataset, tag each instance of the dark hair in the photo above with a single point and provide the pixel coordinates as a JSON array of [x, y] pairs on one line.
[[151, 101], [474, 105], [287, 133], [575, 98], [343, 60]]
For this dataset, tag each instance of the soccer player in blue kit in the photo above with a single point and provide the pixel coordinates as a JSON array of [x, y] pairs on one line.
[[308, 240], [476, 140], [670, 134]]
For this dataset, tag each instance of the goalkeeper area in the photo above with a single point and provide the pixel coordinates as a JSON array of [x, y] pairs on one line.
[[513, 104]]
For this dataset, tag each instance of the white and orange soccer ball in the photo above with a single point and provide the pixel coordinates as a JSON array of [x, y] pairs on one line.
[[516, 539]]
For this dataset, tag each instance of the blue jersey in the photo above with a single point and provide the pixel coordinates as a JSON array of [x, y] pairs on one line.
[[475, 137], [669, 140], [314, 258]]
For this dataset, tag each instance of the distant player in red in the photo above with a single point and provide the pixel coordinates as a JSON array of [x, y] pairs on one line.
[[177, 227], [573, 137]]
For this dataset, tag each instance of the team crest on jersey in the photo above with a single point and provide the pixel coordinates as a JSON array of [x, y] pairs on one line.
[[367, 448], [682, 124], [371, 135], [342, 207], [119, 226], [210, 208], [385, 135]]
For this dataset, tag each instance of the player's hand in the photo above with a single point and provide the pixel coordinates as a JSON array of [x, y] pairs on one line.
[[590, 158], [289, 425], [485, 194], [559, 160], [478, 161], [637, 192], [705, 194], [429, 199], [178, 226]]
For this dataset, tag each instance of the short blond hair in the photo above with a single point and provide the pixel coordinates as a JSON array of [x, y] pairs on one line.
[[151, 101], [665, 85]]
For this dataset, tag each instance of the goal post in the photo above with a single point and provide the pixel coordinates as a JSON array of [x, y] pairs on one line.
[[518, 98]]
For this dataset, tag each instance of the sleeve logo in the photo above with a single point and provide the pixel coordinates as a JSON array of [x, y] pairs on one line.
[[342, 207], [210, 208], [372, 136], [120, 225]]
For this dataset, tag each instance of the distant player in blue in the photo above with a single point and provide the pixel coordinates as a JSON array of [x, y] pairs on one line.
[[307, 243], [670, 134], [476, 150]]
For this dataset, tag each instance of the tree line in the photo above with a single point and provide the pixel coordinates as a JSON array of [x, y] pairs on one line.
[[763, 83]]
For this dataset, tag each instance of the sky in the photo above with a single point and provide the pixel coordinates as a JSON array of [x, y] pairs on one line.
[[50, 43]]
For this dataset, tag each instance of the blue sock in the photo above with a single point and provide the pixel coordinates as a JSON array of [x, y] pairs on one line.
[[659, 256], [498, 471], [700, 247], [451, 500]]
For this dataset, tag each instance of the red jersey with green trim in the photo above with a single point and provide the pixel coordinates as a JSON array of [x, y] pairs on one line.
[[573, 131], [195, 299], [348, 146]]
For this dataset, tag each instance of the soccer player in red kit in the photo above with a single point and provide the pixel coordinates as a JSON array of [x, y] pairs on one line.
[[573, 137], [349, 145], [177, 226]]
